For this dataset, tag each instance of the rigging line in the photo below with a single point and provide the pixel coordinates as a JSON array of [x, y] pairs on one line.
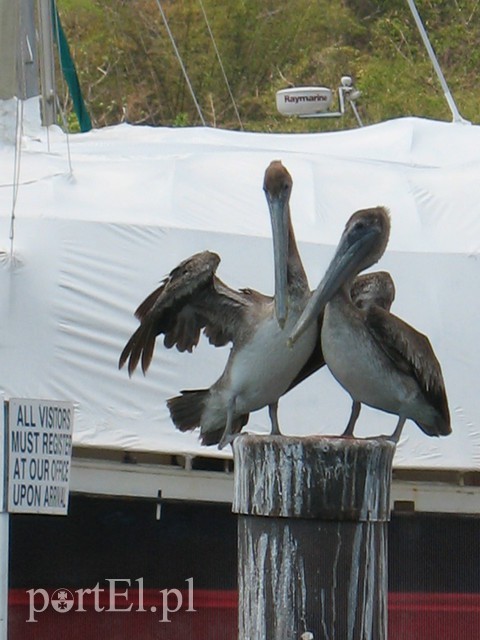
[[9, 185], [433, 59], [180, 61], [18, 143], [221, 65], [16, 169], [42, 57], [55, 18], [67, 135]]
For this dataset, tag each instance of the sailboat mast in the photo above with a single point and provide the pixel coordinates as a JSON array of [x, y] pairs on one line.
[[8, 48], [46, 61], [21, 59], [27, 70]]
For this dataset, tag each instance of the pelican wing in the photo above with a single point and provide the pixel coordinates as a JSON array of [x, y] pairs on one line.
[[190, 276], [412, 353], [190, 299]]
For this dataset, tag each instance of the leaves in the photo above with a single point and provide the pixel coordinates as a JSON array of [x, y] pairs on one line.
[[129, 72]]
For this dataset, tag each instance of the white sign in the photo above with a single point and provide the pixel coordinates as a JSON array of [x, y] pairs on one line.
[[39, 455]]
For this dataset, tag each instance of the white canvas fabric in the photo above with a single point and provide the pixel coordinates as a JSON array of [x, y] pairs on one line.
[[89, 245]]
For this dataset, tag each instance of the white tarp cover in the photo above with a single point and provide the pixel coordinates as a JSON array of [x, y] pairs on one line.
[[89, 245]]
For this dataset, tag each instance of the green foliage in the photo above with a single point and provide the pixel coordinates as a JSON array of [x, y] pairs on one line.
[[129, 72], [181, 120]]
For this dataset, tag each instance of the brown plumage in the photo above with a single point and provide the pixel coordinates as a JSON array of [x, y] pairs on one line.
[[411, 352], [260, 368], [188, 301], [193, 299], [378, 358], [375, 289]]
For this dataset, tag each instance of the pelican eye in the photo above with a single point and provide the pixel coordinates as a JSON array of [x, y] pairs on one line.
[[284, 190]]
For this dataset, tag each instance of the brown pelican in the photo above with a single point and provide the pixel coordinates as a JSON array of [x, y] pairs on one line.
[[368, 290], [260, 367], [378, 358]]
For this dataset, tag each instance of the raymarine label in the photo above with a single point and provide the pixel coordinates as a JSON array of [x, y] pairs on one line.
[[40, 451]]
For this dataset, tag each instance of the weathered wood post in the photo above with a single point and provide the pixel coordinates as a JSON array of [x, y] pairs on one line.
[[312, 546]]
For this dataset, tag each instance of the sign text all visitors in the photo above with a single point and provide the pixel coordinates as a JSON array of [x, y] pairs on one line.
[[39, 447]]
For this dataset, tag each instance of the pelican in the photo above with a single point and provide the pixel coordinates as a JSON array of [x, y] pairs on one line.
[[377, 357], [260, 367], [368, 290]]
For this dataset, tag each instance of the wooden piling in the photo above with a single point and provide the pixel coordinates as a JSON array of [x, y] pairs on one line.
[[312, 539]]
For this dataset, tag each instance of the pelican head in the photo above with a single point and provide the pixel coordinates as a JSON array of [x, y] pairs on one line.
[[362, 244], [373, 289], [278, 187]]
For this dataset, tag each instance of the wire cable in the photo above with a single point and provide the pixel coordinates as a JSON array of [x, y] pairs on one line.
[[221, 65], [16, 169], [433, 59], [182, 66], [55, 18]]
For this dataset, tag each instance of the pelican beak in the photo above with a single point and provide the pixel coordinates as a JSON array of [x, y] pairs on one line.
[[279, 215], [347, 262]]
